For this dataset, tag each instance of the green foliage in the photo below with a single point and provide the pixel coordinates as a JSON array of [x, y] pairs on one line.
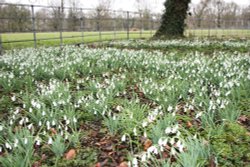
[[231, 145], [196, 154]]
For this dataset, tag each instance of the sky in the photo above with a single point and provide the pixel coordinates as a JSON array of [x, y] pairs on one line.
[[130, 5]]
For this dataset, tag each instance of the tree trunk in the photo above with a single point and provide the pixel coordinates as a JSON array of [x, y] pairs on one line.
[[172, 21]]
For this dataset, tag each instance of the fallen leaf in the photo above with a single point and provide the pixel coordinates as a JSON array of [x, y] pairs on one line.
[[243, 118], [70, 154], [123, 164], [212, 162], [165, 155], [37, 164], [167, 147], [98, 164], [148, 143], [189, 124], [53, 131]]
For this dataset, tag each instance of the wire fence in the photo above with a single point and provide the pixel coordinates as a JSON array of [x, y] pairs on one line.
[[24, 25]]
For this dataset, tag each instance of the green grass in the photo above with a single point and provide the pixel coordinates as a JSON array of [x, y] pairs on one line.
[[88, 37], [68, 38], [219, 33]]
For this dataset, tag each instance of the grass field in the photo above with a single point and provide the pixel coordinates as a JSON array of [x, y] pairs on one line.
[[68, 38], [53, 38], [139, 106]]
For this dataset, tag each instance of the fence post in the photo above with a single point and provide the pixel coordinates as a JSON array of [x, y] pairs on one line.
[[1, 48], [127, 24], [152, 27], [82, 29], [61, 26], [33, 25], [98, 25], [114, 27], [141, 25]]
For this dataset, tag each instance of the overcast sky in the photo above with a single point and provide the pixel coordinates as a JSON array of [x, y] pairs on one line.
[[155, 5]]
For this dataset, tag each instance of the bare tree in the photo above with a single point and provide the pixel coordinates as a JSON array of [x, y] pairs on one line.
[[200, 11], [218, 7], [230, 15], [102, 14]]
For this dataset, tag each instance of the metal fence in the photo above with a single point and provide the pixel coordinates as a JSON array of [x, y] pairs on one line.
[[36, 25]]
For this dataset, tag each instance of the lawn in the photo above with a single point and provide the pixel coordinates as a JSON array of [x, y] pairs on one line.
[[53, 38], [150, 105]]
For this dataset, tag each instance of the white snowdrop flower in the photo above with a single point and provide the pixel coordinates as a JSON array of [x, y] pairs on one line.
[[8, 146], [135, 132], [16, 142], [13, 98], [173, 151], [65, 117], [1, 128], [29, 126], [173, 114], [61, 133], [38, 142], [66, 136], [50, 141], [124, 138], [131, 116], [21, 121], [40, 123], [74, 120], [195, 136], [25, 141], [198, 115], [26, 119], [1, 149], [161, 142], [114, 117], [129, 164], [145, 134], [190, 107], [167, 130], [178, 143], [218, 101], [164, 143], [30, 110], [222, 106], [135, 162], [144, 124], [227, 93], [11, 122], [170, 108], [172, 141], [17, 111], [119, 108], [152, 149], [174, 129], [54, 103], [43, 113], [144, 157], [53, 123], [66, 128], [24, 105], [67, 121], [44, 132], [38, 105]]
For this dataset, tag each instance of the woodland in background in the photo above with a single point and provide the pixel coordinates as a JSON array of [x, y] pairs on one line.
[[207, 14]]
